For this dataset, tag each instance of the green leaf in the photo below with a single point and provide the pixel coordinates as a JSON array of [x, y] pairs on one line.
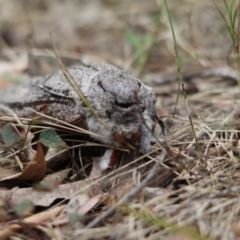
[[50, 138], [148, 39], [24, 208], [74, 218], [134, 40], [10, 135]]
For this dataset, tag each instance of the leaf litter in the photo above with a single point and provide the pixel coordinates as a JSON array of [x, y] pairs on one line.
[[191, 193], [200, 191], [35, 170]]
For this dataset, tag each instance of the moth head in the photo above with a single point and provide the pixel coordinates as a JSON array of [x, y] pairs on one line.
[[125, 104]]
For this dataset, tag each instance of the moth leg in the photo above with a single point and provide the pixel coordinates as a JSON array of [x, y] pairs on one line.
[[161, 124], [158, 121]]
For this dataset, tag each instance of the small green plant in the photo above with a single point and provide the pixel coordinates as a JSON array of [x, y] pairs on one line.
[[180, 75], [162, 223], [231, 20], [143, 45], [139, 44], [50, 138], [231, 23]]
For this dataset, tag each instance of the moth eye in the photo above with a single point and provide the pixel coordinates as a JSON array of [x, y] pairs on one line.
[[139, 85], [124, 105], [109, 114], [101, 86], [143, 108]]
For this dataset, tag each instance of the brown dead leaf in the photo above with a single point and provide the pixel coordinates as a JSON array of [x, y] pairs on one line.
[[36, 219], [51, 181], [35, 171], [64, 191], [80, 204], [58, 177]]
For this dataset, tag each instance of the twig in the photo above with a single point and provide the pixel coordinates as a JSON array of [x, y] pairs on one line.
[[152, 174], [72, 82], [6, 110]]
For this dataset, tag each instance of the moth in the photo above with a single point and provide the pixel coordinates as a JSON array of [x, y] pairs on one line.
[[122, 109]]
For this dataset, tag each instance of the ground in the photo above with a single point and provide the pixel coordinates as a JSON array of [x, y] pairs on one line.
[[194, 189]]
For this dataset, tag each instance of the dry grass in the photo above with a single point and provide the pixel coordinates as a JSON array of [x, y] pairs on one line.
[[196, 192]]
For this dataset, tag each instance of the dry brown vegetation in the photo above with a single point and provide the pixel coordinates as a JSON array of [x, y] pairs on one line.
[[193, 191]]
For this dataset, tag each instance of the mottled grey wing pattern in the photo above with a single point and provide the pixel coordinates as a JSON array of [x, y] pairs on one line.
[[123, 102], [51, 94]]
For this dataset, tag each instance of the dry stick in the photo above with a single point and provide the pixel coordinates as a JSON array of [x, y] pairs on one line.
[[152, 174], [70, 79], [9, 112]]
